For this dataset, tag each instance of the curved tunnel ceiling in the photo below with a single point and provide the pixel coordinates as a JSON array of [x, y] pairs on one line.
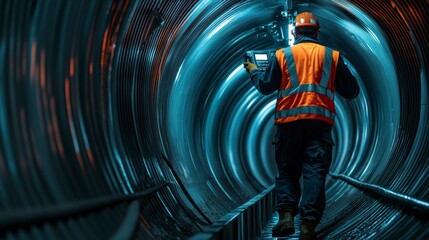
[[102, 99]]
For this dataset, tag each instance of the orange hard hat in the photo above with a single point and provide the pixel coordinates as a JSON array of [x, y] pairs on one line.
[[306, 19]]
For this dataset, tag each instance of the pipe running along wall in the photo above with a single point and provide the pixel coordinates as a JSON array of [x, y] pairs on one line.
[[148, 99]]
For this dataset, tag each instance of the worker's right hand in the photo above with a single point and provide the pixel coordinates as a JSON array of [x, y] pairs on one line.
[[249, 66]]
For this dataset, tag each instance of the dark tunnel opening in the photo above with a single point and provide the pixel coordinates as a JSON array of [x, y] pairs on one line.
[[135, 119]]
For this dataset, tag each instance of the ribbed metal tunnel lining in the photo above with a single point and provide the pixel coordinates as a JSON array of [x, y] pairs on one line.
[[407, 67], [94, 94]]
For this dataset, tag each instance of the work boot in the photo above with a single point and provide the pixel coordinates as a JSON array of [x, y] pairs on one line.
[[285, 226], [307, 231]]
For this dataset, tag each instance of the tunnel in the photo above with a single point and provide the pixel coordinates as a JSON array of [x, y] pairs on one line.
[[135, 119]]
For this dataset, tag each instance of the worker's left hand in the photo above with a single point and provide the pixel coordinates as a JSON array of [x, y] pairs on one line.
[[249, 66]]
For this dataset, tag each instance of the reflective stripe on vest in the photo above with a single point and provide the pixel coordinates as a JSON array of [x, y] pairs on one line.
[[305, 110], [294, 87], [306, 88], [327, 63], [291, 66]]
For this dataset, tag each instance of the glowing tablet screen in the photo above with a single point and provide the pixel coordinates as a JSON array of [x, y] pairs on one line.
[[259, 56]]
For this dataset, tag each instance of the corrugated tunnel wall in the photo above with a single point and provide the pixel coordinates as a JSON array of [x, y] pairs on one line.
[[135, 119]]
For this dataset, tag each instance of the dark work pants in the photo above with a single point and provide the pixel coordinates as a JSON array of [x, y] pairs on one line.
[[302, 147]]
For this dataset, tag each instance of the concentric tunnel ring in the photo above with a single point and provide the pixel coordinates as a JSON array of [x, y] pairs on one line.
[[136, 119]]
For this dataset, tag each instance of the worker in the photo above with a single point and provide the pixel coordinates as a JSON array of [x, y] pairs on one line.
[[306, 76]]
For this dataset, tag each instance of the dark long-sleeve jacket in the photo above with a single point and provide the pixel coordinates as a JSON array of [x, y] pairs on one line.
[[269, 81]]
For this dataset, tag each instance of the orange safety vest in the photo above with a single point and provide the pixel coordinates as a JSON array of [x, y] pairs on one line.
[[307, 87]]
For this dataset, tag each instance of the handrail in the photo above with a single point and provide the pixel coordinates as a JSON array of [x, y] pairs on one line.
[[23, 217], [383, 192]]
